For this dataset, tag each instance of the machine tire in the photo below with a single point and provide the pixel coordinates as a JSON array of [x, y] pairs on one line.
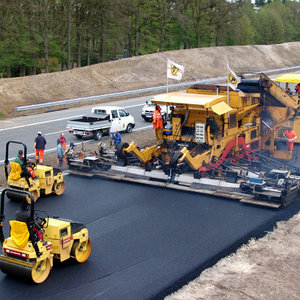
[[81, 250], [58, 188], [129, 128], [41, 270], [78, 136], [35, 195], [174, 159], [120, 150], [98, 135]]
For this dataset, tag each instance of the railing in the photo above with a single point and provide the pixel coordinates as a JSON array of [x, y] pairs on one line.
[[135, 92]]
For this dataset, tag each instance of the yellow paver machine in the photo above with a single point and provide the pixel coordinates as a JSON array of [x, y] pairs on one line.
[[217, 141]]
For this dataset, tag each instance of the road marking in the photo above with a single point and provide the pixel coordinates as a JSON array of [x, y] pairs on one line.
[[56, 132], [55, 120], [38, 123]]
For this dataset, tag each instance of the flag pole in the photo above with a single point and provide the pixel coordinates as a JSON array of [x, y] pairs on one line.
[[227, 70], [167, 78]]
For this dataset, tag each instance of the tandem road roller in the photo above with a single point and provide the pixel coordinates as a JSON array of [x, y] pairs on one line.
[[46, 180], [28, 252]]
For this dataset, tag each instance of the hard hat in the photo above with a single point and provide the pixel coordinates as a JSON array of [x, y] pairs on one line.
[[39, 132]]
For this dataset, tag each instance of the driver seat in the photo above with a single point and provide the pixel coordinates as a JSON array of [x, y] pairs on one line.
[[15, 171], [19, 233]]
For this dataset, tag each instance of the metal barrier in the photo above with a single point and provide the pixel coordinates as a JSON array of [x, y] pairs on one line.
[[135, 92]]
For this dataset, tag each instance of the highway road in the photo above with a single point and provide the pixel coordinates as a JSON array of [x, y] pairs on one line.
[[146, 241], [51, 124]]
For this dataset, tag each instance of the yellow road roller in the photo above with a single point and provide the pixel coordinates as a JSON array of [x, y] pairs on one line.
[[29, 251], [36, 179]]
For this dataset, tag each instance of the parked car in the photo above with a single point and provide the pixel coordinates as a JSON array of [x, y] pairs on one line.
[[101, 120], [148, 110]]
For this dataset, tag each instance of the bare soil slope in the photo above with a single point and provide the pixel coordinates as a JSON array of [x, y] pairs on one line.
[[141, 72]]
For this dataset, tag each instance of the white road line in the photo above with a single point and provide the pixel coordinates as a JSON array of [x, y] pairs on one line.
[[38, 123], [55, 120], [56, 132]]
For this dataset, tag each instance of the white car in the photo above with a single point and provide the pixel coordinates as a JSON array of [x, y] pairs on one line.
[[148, 110]]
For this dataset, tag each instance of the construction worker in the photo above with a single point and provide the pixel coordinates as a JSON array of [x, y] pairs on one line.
[[291, 137], [20, 160], [39, 148], [60, 153], [157, 122], [116, 137], [64, 143], [297, 89]]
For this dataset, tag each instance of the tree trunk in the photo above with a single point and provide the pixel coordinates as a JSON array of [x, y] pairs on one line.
[[8, 72], [22, 70], [69, 35], [46, 52], [88, 59], [137, 33]]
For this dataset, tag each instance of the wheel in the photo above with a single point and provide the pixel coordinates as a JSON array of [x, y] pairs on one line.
[[129, 128], [40, 271], [59, 188], [81, 251], [98, 135], [120, 150], [78, 136], [174, 159], [35, 195]]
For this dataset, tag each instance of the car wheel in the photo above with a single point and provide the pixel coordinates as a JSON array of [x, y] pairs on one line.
[[98, 135], [129, 128]]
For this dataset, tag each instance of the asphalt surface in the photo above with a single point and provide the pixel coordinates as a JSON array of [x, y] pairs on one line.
[[146, 241]]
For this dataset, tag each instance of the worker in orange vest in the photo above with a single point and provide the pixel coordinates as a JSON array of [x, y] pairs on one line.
[[291, 137], [157, 122]]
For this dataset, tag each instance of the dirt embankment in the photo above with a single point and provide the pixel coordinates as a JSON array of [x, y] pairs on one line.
[[142, 72]]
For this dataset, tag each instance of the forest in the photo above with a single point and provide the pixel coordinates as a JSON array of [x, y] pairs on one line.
[[42, 36]]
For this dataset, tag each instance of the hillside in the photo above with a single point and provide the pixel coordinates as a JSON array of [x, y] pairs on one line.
[[141, 72]]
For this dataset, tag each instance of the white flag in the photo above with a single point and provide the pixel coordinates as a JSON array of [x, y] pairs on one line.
[[232, 79], [174, 71]]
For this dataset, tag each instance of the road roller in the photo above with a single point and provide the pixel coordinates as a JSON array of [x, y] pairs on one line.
[[36, 179], [28, 253]]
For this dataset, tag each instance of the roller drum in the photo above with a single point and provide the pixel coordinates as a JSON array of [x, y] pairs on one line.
[[14, 269], [16, 196], [36, 272]]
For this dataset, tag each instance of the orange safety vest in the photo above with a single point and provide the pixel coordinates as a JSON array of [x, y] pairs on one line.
[[157, 120], [291, 136]]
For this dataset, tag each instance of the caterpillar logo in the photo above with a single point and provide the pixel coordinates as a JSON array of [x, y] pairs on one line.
[[232, 79], [174, 70]]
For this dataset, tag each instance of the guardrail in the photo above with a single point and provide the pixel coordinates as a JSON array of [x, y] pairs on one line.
[[135, 92]]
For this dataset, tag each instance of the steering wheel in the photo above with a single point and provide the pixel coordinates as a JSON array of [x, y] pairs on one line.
[[41, 219]]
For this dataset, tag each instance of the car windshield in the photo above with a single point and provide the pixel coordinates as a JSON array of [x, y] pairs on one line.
[[149, 102]]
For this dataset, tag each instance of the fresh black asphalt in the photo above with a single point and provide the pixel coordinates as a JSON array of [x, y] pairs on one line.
[[146, 241]]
